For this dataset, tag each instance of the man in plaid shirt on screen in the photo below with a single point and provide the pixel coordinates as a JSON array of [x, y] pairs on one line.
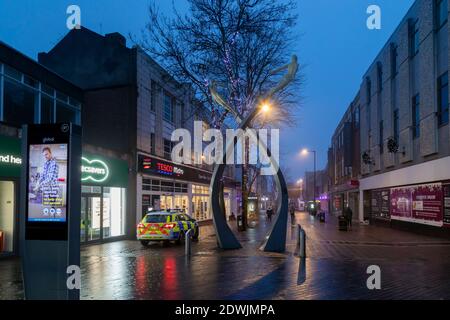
[[48, 181]]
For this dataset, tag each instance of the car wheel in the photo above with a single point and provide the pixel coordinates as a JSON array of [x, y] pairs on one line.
[[196, 234], [165, 243], [145, 243], [181, 237]]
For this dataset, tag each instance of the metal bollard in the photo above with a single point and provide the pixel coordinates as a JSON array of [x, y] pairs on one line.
[[187, 243], [301, 242]]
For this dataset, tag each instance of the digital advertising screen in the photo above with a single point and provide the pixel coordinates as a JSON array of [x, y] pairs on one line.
[[47, 186]]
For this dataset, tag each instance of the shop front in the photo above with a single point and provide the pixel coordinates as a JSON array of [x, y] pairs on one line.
[[10, 166], [164, 185], [103, 202], [103, 199]]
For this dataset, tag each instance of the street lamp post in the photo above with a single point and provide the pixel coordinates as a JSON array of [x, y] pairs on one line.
[[305, 152]]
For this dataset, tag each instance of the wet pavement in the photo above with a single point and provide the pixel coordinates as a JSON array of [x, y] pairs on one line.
[[412, 267]]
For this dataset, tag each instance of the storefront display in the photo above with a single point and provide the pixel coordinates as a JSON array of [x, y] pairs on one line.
[[380, 204], [10, 168], [103, 203], [419, 204], [446, 194]]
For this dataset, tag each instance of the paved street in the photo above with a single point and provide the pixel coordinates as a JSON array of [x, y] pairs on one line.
[[412, 267]]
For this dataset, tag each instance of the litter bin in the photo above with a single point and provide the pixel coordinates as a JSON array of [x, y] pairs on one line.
[[240, 223], [322, 216], [342, 223]]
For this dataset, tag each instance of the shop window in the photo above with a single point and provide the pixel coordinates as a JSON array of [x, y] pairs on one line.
[[7, 204], [113, 212]]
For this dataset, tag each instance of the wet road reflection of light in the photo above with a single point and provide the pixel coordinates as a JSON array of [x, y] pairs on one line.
[[169, 280]]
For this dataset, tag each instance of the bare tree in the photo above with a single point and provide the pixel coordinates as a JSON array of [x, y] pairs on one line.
[[233, 45]]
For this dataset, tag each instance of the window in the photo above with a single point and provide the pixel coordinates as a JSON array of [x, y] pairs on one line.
[[416, 116], [47, 109], [396, 125], [168, 149], [381, 138], [168, 108], [65, 113], [441, 13], [114, 205], [356, 116], [414, 37], [443, 99], [152, 143], [19, 103], [380, 76], [369, 90], [394, 60], [153, 92]]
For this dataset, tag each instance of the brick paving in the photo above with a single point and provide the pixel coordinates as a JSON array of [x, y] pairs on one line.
[[412, 267]]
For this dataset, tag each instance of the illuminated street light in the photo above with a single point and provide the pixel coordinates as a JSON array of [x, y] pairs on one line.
[[305, 152], [265, 107]]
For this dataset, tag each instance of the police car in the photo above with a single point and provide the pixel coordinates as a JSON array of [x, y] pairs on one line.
[[166, 226]]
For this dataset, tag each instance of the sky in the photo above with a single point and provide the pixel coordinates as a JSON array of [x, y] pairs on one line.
[[335, 48]]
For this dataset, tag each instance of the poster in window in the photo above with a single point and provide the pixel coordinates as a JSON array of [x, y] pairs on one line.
[[418, 204], [446, 194]]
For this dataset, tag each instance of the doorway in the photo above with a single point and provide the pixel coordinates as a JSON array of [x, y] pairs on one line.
[[91, 208]]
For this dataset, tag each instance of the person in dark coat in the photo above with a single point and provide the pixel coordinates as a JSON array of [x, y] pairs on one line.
[[349, 216], [269, 213], [292, 212]]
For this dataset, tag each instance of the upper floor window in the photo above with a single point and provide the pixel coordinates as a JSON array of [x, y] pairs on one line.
[[414, 37], [396, 125], [168, 145], [369, 90], [416, 116], [152, 143], [381, 138], [441, 13], [394, 60], [356, 115], [443, 99], [380, 76], [168, 113], [154, 93]]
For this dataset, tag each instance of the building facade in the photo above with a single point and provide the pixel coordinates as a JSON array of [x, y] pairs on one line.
[[143, 105], [404, 126], [344, 162], [29, 94]]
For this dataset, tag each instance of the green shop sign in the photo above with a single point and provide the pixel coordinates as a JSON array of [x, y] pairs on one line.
[[10, 157], [95, 169], [104, 171]]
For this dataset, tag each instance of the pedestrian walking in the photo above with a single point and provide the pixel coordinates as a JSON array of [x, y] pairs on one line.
[[349, 216], [292, 212], [269, 213]]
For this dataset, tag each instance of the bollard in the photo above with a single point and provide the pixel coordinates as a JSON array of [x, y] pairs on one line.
[[187, 243], [301, 242]]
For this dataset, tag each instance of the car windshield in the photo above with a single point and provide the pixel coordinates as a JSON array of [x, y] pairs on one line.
[[156, 218]]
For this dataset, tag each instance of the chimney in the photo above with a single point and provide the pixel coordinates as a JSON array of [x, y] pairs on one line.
[[116, 37]]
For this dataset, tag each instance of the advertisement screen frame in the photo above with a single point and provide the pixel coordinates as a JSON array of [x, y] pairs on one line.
[[38, 135]]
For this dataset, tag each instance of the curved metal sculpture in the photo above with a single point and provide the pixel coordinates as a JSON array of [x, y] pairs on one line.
[[276, 240]]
